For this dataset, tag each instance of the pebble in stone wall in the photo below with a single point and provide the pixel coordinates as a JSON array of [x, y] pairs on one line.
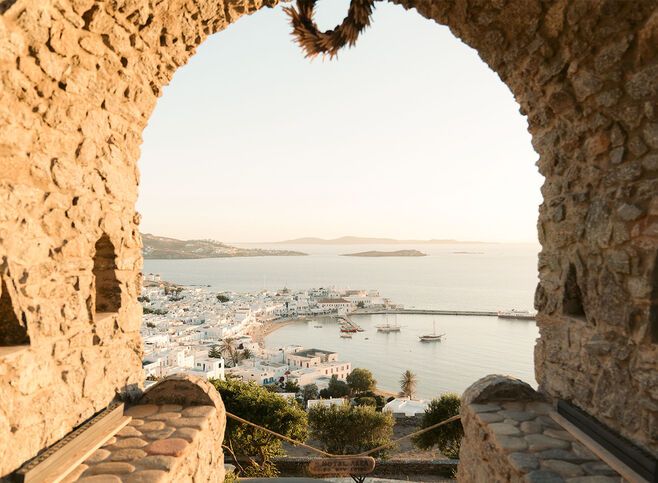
[[79, 79]]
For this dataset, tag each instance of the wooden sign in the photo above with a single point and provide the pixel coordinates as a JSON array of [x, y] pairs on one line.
[[355, 465]]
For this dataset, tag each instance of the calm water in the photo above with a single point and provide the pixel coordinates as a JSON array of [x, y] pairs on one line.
[[473, 347], [498, 276]]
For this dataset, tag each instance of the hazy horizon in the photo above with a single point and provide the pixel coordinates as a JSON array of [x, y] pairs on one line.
[[253, 142], [398, 240]]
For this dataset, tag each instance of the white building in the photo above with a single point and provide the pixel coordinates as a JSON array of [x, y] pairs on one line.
[[258, 375], [324, 402], [339, 305], [309, 357], [406, 406], [208, 368]]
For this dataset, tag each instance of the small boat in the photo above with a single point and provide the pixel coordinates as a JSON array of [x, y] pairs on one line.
[[433, 337], [317, 326], [515, 314], [345, 336], [388, 327], [348, 330]]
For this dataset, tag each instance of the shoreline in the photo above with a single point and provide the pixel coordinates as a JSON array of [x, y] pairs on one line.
[[259, 333]]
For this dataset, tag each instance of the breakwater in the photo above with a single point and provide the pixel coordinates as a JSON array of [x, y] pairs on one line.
[[412, 311]]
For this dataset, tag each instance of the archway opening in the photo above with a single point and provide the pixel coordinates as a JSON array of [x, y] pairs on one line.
[[12, 331], [107, 285], [362, 147]]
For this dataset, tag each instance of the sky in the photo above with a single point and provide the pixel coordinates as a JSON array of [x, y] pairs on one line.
[[407, 135]]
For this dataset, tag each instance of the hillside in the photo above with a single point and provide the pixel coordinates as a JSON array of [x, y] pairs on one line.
[[159, 247], [357, 240], [397, 253]]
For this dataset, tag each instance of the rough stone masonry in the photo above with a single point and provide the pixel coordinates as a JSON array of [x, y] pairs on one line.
[[80, 78]]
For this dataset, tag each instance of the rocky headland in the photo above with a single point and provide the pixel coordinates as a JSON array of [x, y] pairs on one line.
[[163, 248]]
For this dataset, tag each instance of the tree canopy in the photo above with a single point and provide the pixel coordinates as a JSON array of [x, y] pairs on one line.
[[446, 438], [336, 388], [361, 380], [310, 391], [214, 352], [345, 429], [258, 405], [291, 386]]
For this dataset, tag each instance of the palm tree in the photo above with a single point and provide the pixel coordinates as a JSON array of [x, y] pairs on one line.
[[214, 352], [247, 354], [226, 346], [228, 351], [408, 383]]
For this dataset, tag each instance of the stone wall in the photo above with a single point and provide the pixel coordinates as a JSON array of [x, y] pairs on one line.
[[78, 81], [175, 435], [585, 74], [510, 437], [80, 78]]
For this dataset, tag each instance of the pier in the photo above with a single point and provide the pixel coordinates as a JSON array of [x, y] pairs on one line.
[[426, 312], [350, 323]]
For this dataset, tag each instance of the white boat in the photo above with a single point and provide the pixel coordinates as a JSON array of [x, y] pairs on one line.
[[345, 336], [433, 337], [516, 314]]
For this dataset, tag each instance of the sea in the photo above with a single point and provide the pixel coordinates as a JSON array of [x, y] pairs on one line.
[[469, 277]]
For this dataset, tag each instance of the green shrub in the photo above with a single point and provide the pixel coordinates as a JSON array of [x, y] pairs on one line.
[[260, 406], [446, 438], [344, 429]]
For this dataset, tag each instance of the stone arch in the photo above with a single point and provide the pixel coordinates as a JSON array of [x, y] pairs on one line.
[[79, 80], [13, 331], [106, 284]]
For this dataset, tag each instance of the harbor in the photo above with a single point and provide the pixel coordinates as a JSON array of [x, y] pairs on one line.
[[450, 365]]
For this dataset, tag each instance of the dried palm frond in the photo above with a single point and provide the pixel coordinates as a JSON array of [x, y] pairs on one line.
[[314, 42]]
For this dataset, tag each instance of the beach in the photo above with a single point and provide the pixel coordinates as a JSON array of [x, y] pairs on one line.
[[258, 333]]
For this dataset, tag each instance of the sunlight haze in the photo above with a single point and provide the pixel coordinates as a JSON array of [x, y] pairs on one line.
[[251, 142]]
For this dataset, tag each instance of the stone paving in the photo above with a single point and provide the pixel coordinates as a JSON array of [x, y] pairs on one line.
[[150, 449], [537, 447]]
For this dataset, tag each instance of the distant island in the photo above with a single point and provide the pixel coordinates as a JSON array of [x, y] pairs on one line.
[[163, 248], [397, 253], [356, 240]]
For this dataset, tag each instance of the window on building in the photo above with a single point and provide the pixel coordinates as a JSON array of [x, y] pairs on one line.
[[108, 288], [13, 332]]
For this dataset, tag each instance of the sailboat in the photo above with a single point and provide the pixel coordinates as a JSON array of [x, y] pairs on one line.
[[387, 327], [433, 337]]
